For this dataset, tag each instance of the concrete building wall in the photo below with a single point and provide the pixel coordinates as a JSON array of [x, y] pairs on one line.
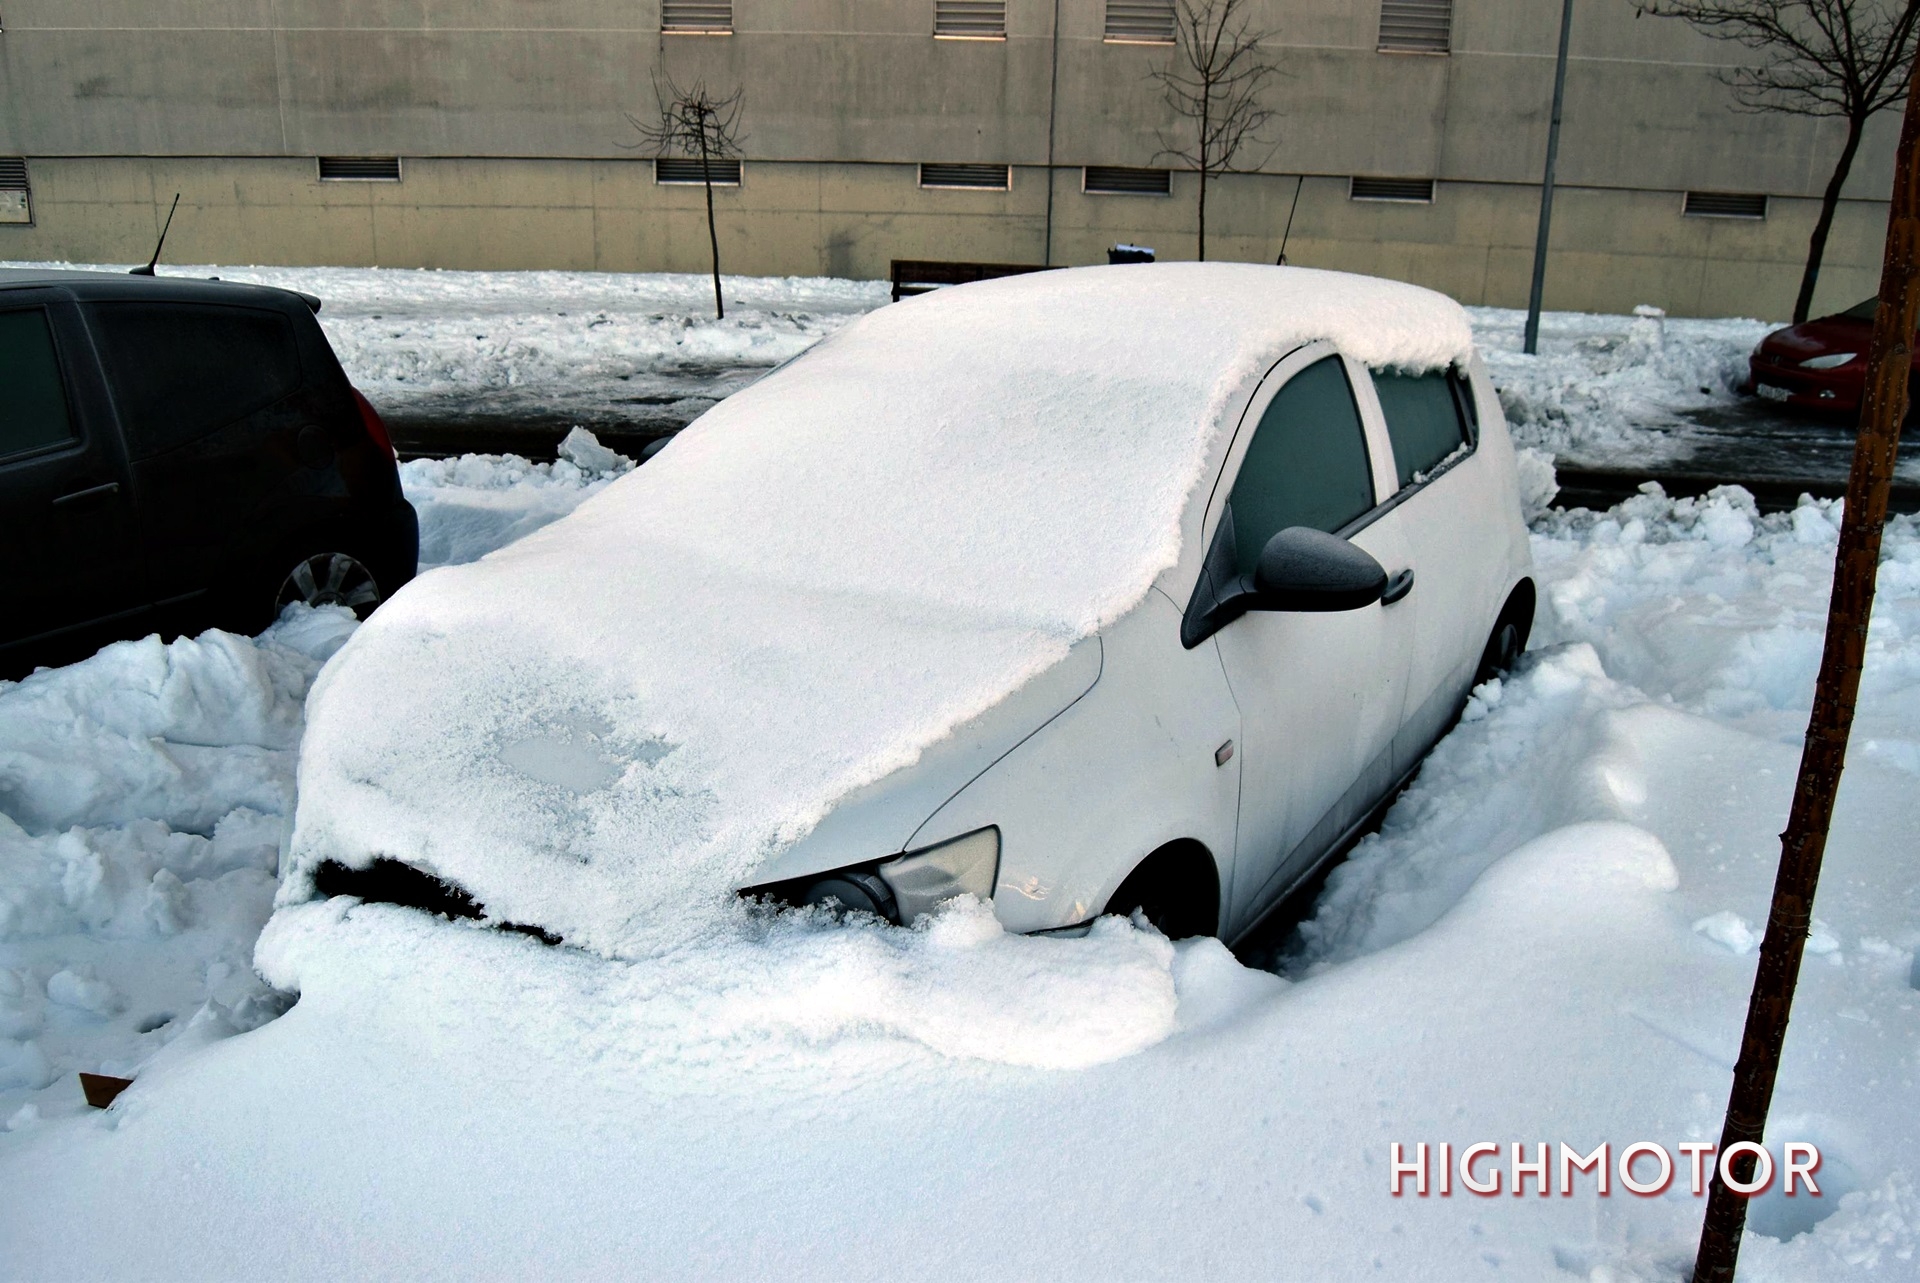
[[508, 114]]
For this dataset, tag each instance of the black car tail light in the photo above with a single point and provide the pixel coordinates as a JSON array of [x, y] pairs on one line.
[[376, 428]]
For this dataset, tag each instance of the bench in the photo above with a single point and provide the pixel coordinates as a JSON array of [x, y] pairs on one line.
[[917, 276]]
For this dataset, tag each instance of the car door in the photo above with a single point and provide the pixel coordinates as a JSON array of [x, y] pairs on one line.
[[1320, 695], [206, 397], [1442, 493], [67, 553]]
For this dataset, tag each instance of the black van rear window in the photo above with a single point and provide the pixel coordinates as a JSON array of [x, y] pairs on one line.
[[182, 370]]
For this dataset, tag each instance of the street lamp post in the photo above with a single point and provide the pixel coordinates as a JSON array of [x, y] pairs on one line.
[[1546, 183]]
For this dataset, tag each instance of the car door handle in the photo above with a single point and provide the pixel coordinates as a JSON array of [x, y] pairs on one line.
[[1398, 586], [91, 492]]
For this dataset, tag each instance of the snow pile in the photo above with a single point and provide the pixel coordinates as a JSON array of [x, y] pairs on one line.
[[474, 503], [1611, 390], [143, 796], [582, 743], [798, 989]]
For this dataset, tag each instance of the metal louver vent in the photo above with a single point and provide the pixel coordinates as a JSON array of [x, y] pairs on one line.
[[697, 17], [996, 178], [674, 171], [1725, 205], [1416, 26], [1118, 180], [970, 19], [1412, 190], [16, 204], [359, 169], [1139, 22]]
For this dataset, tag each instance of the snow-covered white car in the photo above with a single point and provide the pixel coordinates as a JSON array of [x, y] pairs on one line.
[[1080, 591]]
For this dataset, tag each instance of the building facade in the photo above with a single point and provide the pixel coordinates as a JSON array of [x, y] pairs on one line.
[[1408, 142]]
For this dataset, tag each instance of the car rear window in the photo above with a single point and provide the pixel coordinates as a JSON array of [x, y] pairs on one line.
[[1423, 421], [1307, 464], [34, 412], [180, 371]]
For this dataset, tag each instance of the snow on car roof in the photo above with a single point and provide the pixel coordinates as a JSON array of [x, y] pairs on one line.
[[604, 728]]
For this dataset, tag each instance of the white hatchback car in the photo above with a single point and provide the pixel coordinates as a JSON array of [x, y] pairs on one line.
[[1084, 591]]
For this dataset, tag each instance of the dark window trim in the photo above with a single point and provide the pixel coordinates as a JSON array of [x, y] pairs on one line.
[[80, 440], [1462, 387]]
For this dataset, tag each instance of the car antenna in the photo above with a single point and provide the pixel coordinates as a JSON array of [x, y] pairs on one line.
[[1286, 235], [147, 270]]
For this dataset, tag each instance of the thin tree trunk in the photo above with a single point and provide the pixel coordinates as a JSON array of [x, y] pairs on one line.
[[1856, 564], [713, 237], [1206, 104], [1203, 216], [1829, 202]]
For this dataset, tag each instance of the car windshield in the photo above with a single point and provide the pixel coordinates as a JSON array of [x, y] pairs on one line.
[[1863, 311]]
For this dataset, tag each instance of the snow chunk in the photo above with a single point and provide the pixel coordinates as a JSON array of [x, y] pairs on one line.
[[1730, 929], [888, 537]]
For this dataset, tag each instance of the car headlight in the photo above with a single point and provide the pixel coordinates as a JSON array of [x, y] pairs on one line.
[[1832, 361], [922, 879]]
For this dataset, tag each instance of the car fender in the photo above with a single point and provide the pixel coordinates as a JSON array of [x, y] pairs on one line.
[[877, 820], [1126, 769]]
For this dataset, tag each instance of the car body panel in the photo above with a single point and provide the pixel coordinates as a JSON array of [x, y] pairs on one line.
[[1127, 768], [67, 511], [1777, 367], [884, 818]]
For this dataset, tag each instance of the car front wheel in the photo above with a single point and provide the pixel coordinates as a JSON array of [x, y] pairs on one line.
[[330, 579]]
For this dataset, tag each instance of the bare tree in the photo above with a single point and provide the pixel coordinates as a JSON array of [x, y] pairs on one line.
[[1844, 58], [1215, 80], [695, 122]]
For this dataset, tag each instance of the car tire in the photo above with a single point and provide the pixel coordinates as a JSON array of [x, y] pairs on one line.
[[1509, 637], [1176, 889], [328, 578]]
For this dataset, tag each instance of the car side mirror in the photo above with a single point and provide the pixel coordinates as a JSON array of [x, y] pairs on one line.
[[1309, 570]]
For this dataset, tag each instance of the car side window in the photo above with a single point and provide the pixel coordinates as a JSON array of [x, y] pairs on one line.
[[1424, 421], [180, 371], [33, 412], [1307, 464]]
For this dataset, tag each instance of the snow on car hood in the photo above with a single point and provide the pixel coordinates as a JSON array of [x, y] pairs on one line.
[[606, 727]]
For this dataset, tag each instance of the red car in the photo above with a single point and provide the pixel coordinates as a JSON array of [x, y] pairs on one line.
[[1820, 364]]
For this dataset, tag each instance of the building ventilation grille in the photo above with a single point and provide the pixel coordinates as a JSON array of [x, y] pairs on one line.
[[1725, 205], [1140, 22], [1118, 180], [697, 17], [671, 171], [360, 169], [996, 178], [1416, 26], [970, 19], [16, 205], [1415, 190]]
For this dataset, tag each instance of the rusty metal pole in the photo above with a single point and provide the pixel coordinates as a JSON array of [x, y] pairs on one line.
[[1889, 366]]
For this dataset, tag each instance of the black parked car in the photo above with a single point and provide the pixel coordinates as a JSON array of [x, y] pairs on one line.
[[178, 454]]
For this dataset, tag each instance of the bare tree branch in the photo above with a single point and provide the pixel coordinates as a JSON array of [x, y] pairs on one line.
[[698, 124], [1216, 79], [1843, 59]]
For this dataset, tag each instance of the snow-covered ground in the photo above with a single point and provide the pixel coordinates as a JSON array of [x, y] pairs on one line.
[[1551, 938]]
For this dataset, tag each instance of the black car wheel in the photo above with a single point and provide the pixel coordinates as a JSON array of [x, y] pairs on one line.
[[330, 579]]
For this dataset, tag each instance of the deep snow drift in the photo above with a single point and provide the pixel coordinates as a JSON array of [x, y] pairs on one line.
[[825, 1101]]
